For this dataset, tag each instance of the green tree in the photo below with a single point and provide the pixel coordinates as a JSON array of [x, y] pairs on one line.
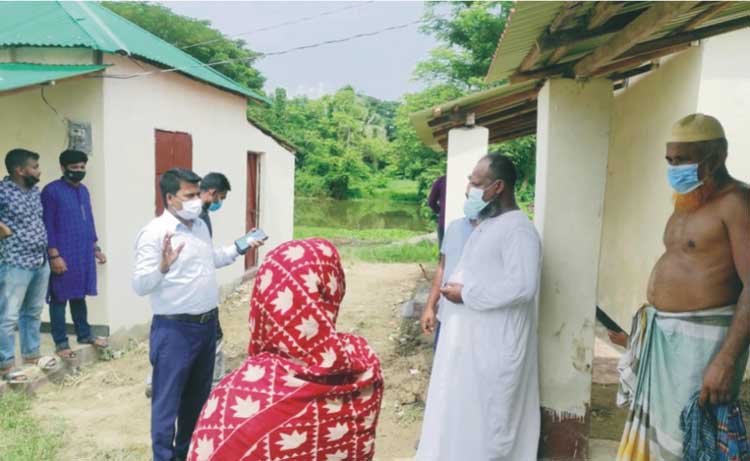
[[469, 38], [182, 32], [342, 140]]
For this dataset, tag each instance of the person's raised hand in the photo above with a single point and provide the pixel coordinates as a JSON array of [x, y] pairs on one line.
[[168, 254]]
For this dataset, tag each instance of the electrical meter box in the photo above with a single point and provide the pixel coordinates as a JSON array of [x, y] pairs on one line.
[[79, 136]]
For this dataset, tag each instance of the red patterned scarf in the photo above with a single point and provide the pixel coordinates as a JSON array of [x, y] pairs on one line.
[[305, 392]]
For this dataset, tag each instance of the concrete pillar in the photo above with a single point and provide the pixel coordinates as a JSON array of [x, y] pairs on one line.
[[572, 146], [465, 147]]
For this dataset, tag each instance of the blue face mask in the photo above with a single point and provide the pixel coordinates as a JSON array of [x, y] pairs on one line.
[[684, 178], [474, 203], [215, 205]]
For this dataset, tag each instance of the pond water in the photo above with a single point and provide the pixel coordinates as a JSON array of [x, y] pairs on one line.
[[360, 214]]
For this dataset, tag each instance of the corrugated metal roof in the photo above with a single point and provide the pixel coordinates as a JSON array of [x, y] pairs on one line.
[[17, 75], [525, 24], [89, 25], [530, 20]]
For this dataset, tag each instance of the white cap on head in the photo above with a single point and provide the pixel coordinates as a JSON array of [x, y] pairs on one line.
[[695, 128]]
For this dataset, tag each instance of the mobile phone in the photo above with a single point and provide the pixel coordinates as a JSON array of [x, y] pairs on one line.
[[243, 243], [258, 234]]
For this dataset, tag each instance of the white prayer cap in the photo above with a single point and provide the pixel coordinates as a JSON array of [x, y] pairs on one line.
[[696, 127]]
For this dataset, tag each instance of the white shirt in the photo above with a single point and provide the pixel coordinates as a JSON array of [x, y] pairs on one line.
[[189, 287]]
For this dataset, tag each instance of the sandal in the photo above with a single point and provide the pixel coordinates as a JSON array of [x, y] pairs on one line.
[[16, 376], [98, 342], [64, 351], [47, 363]]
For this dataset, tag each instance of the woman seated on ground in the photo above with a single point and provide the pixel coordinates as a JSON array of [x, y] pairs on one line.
[[305, 392]]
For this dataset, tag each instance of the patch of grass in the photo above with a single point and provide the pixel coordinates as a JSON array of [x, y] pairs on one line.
[[400, 190], [21, 436], [422, 252], [364, 235]]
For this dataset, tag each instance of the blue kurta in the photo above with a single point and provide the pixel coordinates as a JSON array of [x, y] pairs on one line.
[[70, 229]]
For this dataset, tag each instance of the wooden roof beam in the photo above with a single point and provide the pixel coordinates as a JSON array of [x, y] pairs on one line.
[[489, 119], [656, 46], [603, 12], [637, 60], [507, 136], [714, 9], [562, 20], [639, 29], [498, 102]]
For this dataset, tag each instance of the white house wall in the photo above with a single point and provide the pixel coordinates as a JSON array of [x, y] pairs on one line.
[[725, 94], [638, 198], [27, 122], [221, 135]]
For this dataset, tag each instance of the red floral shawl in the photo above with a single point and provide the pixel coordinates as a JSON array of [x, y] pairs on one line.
[[305, 392]]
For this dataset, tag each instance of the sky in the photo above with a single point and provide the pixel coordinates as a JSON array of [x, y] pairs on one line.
[[379, 66]]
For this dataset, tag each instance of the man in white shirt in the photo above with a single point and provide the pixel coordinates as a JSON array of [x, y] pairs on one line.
[[176, 265], [483, 399]]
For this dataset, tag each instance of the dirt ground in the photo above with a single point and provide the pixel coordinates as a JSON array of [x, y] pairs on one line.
[[105, 414]]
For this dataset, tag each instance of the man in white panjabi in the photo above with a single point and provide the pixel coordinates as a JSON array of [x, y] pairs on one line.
[[483, 399]]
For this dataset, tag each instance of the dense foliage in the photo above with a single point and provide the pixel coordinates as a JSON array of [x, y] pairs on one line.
[[349, 144]]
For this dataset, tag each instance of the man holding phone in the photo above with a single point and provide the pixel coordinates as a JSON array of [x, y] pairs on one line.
[[175, 263]]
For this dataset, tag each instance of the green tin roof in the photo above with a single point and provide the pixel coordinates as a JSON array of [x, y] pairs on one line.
[[17, 75], [90, 25]]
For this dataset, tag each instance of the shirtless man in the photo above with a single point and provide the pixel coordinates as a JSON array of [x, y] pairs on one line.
[[694, 334]]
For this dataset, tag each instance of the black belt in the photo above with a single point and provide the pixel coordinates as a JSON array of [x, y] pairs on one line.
[[192, 318]]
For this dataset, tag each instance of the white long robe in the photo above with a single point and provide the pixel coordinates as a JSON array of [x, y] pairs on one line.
[[483, 399]]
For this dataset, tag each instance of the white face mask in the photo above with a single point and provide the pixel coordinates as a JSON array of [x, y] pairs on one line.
[[191, 209]]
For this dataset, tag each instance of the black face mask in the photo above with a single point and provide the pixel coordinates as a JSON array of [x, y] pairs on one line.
[[30, 181], [74, 176]]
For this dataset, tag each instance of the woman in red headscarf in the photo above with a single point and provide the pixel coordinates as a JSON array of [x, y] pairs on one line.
[[305, 392]]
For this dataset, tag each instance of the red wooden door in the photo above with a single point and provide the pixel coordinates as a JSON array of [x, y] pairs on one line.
[[253, 196], [173, 150]]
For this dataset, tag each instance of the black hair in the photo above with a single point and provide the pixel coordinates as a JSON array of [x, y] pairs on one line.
[[170, 181], [70, 156], [17, 158], [215, 181], [502, 168]]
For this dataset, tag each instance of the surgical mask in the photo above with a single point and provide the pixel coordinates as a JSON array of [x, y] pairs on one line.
[[74, 176], [30, 181], [474, 203], [215, 205], [684, 178], [191, 209]]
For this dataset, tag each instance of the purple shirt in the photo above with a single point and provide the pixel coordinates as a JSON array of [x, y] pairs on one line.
[[436, 201], [70, 229]]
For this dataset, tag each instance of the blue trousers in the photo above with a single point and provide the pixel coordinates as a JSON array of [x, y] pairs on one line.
[[22, 294], [182, 356], [79, 313]]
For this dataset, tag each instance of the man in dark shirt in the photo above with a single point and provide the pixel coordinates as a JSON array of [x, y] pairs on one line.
[[214, 189], [436, 201]]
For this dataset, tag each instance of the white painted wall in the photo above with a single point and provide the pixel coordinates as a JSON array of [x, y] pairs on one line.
[[221, 136], [124, 115], [639, 199], [465, 147], [725, 93], [27, 122], [572, 146]]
